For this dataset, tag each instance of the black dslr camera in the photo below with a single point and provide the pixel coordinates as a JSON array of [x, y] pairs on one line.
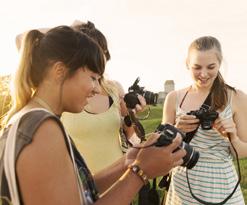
[[206, 116], [167, 134], [131, 98]]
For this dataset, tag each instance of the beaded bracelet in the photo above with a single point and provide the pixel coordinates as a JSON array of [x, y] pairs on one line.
[[139, 172]]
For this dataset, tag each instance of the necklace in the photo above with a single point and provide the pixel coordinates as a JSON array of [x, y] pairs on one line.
[[42, 103]]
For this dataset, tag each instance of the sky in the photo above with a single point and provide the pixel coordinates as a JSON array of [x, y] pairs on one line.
[[147, 38]]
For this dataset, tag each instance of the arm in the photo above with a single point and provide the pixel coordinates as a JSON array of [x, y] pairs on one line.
[[106, 177], [123, 191], [128, 130], [236, 128], [240, 114], [44, 169], [239, 138], [185, 123], [169, 108], [126, 187]]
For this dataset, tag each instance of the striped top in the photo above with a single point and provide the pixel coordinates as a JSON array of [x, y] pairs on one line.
[[214, 176]]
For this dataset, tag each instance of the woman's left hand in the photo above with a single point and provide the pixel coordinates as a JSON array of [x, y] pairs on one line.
[[226, 126]]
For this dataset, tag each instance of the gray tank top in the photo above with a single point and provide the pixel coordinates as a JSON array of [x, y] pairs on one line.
[[29, 124]]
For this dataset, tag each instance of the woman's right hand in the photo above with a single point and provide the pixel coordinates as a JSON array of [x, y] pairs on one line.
[[158, 161], [186, 123]]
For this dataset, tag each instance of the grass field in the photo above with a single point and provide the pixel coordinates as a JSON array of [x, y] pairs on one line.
[[153, 121]]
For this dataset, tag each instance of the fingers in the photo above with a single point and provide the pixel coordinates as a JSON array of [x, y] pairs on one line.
[[140, 107], [177, 156], [187, 123], [142, 101], [188, 117], [183, 121], [152, 138], [188, 128], [178, 163], [175, 143], [225, 125]]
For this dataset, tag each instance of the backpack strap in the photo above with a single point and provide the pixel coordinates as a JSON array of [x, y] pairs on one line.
[[12, 149], [10, 159]]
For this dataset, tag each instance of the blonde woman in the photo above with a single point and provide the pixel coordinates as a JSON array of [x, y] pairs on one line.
[[58, 72], [99, 139]]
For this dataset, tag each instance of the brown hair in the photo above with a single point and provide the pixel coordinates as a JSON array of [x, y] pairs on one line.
[[219, 94], [40, 51], [89, 29], [94, 33]]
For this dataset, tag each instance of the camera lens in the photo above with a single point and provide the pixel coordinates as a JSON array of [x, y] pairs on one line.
[[150, 97], [191, 157], [168, 133]]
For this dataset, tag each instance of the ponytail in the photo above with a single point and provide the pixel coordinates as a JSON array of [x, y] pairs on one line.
[[219, 93], [40, 51], [23, 86]]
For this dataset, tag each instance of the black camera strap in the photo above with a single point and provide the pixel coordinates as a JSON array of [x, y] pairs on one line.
[[166, 180], [206, 103], [139, 130], [233, 191], [188, 138]]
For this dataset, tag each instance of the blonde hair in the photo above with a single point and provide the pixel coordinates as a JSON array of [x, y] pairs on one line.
[[22, 86], [111, 88]]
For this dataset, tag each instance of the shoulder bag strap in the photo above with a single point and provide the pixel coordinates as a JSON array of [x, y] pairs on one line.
[[9, 158]]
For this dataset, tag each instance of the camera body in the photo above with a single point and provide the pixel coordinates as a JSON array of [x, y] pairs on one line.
[[131, 98], [206, 116], [167, 134]]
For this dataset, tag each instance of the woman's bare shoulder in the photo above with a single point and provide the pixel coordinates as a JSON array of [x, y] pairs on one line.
[[47, 140], [176, 93], [46, 161], [239, 100]]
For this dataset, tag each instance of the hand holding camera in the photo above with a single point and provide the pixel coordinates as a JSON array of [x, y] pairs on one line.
[[167, 134], [131, 98], [158, 161], [206, 116], [186, 123]]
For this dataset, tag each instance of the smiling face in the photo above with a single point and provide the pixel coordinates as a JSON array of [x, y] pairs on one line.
[[78, 88], [203, 66]]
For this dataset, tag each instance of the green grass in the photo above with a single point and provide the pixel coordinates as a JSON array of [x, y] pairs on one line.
[[153, 121]]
